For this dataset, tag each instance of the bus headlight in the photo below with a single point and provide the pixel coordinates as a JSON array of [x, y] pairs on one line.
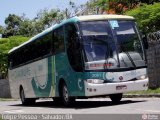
[[142, 77], [95, 81]]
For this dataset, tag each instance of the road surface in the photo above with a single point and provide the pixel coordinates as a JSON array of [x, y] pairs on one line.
[[86, 106]]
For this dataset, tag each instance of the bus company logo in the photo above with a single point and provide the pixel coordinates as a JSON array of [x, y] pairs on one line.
[[80, 84], [39, 83], [42, 84], [110, 76]]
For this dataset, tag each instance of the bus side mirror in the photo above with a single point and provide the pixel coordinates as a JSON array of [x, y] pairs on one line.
[[145, 40]]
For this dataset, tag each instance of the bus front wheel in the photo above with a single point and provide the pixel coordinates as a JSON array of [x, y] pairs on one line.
[[24, 100], [67, 100], [116, 98]]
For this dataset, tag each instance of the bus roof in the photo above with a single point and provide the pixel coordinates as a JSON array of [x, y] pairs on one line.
[[75, 19], [104, 17]]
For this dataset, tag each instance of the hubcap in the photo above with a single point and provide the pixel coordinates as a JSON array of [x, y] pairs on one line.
[[65, 93]]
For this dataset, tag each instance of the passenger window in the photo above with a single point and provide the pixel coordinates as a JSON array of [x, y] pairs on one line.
[[73, 51], [58, 40]]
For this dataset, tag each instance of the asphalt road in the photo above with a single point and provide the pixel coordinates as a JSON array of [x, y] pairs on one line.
[[86, 106]]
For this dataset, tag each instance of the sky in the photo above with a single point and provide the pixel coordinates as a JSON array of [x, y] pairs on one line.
[[31, 7]]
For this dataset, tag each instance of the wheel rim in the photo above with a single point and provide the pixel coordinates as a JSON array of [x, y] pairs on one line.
[[65, 94], [22, 95]]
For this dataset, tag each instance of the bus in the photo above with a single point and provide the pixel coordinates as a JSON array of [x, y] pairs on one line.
[[81, 57]]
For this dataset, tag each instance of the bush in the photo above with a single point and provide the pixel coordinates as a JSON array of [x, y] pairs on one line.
[[147, 17], [5, 45]]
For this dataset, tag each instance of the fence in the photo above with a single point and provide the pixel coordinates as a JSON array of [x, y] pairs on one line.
[[153, 59]]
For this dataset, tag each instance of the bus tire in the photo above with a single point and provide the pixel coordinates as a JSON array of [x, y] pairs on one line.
[[116, 98], [66, 99], [24, 100]]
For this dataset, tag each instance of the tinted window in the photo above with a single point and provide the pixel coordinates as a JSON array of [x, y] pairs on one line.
[[73, 51], [58, 40], [37, 49], [94, 28], [42, 46], [97, 41]]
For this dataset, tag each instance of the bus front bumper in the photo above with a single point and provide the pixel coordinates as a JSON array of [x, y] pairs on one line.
[[113, 88]]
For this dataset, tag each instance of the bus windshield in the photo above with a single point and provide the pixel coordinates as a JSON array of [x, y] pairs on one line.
[[111, 44]]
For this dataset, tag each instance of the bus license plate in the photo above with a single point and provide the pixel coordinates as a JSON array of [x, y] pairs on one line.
[[121, 87]]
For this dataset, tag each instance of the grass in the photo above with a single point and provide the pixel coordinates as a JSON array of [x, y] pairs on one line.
[[1, 118], [149, 91], [7, 99]]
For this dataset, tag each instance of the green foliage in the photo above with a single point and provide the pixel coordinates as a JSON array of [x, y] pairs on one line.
[[47, 17], [102, 4], [19, 25], [72, 9], [147, 17], [1, 29], [7, 99], [5, 45], [26, 28], [147, 92], [12, 22], [8, 43], [1, 117], [118, 6], [115, 6]]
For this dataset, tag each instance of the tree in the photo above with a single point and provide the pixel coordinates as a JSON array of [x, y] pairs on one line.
[[119, 6], [103, 5], [74, 10], [147, 17], [1, 29], [71, 10], [26, 28], [5, 45], [47, 17], [20, 25], [12, 21], [149, 1]]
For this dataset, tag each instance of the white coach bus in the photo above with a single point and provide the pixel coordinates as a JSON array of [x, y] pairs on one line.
[[82, 57]]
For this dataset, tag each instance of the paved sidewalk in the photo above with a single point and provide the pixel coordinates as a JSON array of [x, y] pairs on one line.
[[141, 95]]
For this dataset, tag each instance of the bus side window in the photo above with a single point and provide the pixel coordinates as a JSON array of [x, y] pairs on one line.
[[58, 40], [73, 52]]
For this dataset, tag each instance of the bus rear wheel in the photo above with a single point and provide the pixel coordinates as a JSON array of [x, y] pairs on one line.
[[116, 98], [24, 100], [66, 99]]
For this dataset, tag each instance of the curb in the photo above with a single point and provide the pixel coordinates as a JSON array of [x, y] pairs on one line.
[[141, 95]]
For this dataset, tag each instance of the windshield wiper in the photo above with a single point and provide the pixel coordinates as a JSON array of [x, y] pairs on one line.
[[130, 58]]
